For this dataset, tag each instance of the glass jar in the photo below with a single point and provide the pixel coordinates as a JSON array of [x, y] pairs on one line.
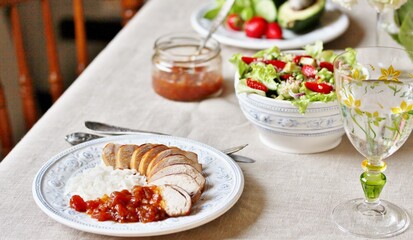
[[178, 73]]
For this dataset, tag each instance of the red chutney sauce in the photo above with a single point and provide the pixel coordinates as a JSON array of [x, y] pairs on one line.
[[142, 204], [184, 84], [180, 73]]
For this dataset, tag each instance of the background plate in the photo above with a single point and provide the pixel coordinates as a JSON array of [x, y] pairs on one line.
[[224, 185], [333, 23]]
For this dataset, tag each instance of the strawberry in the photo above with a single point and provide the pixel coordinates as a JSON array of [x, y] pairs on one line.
[[319, 87], [279, 65], [274, 31], [285, 76], [248, 60], [297, 58], [256, 85], [327, 65], [308, 71]]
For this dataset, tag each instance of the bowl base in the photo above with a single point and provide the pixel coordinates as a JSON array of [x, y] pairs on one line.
[[301, 145]]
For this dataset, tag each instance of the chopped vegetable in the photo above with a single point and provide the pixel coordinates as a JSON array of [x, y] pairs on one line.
[[300, 79]]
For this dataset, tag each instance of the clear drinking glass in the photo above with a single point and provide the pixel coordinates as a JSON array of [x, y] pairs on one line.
[[375, 93]]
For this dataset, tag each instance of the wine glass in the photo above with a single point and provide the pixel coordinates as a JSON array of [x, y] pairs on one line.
[[375, 94]]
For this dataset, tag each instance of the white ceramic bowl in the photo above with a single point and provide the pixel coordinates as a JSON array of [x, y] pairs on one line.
[[282, 127]]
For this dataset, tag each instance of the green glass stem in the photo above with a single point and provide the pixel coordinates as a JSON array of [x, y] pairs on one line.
[[372, 183]]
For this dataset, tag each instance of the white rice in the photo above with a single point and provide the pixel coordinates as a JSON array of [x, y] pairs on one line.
[[95, 182]]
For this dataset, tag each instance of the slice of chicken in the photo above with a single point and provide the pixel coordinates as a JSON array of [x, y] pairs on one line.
[[175, 200], [183, 181], [171, 151], [148, 156], [180, 168], [109, 154], [138, 153], [171, 160], [124, 154]]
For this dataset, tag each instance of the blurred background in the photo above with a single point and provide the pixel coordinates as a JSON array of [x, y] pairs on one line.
[[103, 19]]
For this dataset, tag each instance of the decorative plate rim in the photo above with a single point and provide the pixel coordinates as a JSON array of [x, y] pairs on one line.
[[197, 221]]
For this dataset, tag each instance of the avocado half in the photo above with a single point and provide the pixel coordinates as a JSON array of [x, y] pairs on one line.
[[300, 20]]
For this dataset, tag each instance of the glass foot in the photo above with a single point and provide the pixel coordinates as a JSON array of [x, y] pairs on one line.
[[374, 220]]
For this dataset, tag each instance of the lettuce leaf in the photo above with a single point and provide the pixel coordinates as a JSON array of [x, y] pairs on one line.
[[314, 50], [240, 65], [303, 102], [269, 54], [263, 73]]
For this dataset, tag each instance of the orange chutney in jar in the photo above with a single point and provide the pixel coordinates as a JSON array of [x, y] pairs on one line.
[[182, 75]]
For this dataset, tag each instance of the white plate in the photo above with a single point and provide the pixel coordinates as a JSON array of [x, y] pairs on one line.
[[333, 23], [224, 185]]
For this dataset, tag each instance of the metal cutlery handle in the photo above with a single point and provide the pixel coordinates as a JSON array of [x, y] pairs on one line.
[[115, 130]]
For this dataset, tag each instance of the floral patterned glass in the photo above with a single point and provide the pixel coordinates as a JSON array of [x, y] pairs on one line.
[[375, 93]]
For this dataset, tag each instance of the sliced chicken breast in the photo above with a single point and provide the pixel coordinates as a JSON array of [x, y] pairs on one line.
[[179, 168], [148, 156], [171, 160], [138, 153], [175, 200], [124, 154], [109, 154], [183, 181]]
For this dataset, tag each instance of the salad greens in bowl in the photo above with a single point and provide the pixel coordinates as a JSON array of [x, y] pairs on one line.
[[290, 98]]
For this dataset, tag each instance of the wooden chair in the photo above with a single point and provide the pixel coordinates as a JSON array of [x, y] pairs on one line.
[[129, 8], [24, 78]]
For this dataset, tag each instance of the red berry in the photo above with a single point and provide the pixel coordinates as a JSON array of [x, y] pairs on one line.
[[274, 31], [255, 27], [319, 87], [308, 71], [256, 85], [248, 60], [235, 22], [279, 65], [297, 58], [327, 65], [285, 76]]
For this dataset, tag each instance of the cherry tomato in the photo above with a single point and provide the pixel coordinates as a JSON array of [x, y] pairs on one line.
[[319, 87], [327, 65], [235, 22], [255, 27], [274, 31], [308, 71], [256, 85]]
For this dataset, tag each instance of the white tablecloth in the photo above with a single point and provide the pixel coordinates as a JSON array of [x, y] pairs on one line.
[[286, 196]]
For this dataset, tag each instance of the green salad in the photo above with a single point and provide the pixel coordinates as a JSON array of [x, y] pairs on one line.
[[301, 79]]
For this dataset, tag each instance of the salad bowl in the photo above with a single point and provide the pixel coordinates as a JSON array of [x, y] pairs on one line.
[[288, 127], [282, 127]]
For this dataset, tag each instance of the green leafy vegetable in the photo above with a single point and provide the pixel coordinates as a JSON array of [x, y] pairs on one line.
[[265, 73], [269, 54], [239, 64], [246, 9], [406, 33], [315, 49]]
